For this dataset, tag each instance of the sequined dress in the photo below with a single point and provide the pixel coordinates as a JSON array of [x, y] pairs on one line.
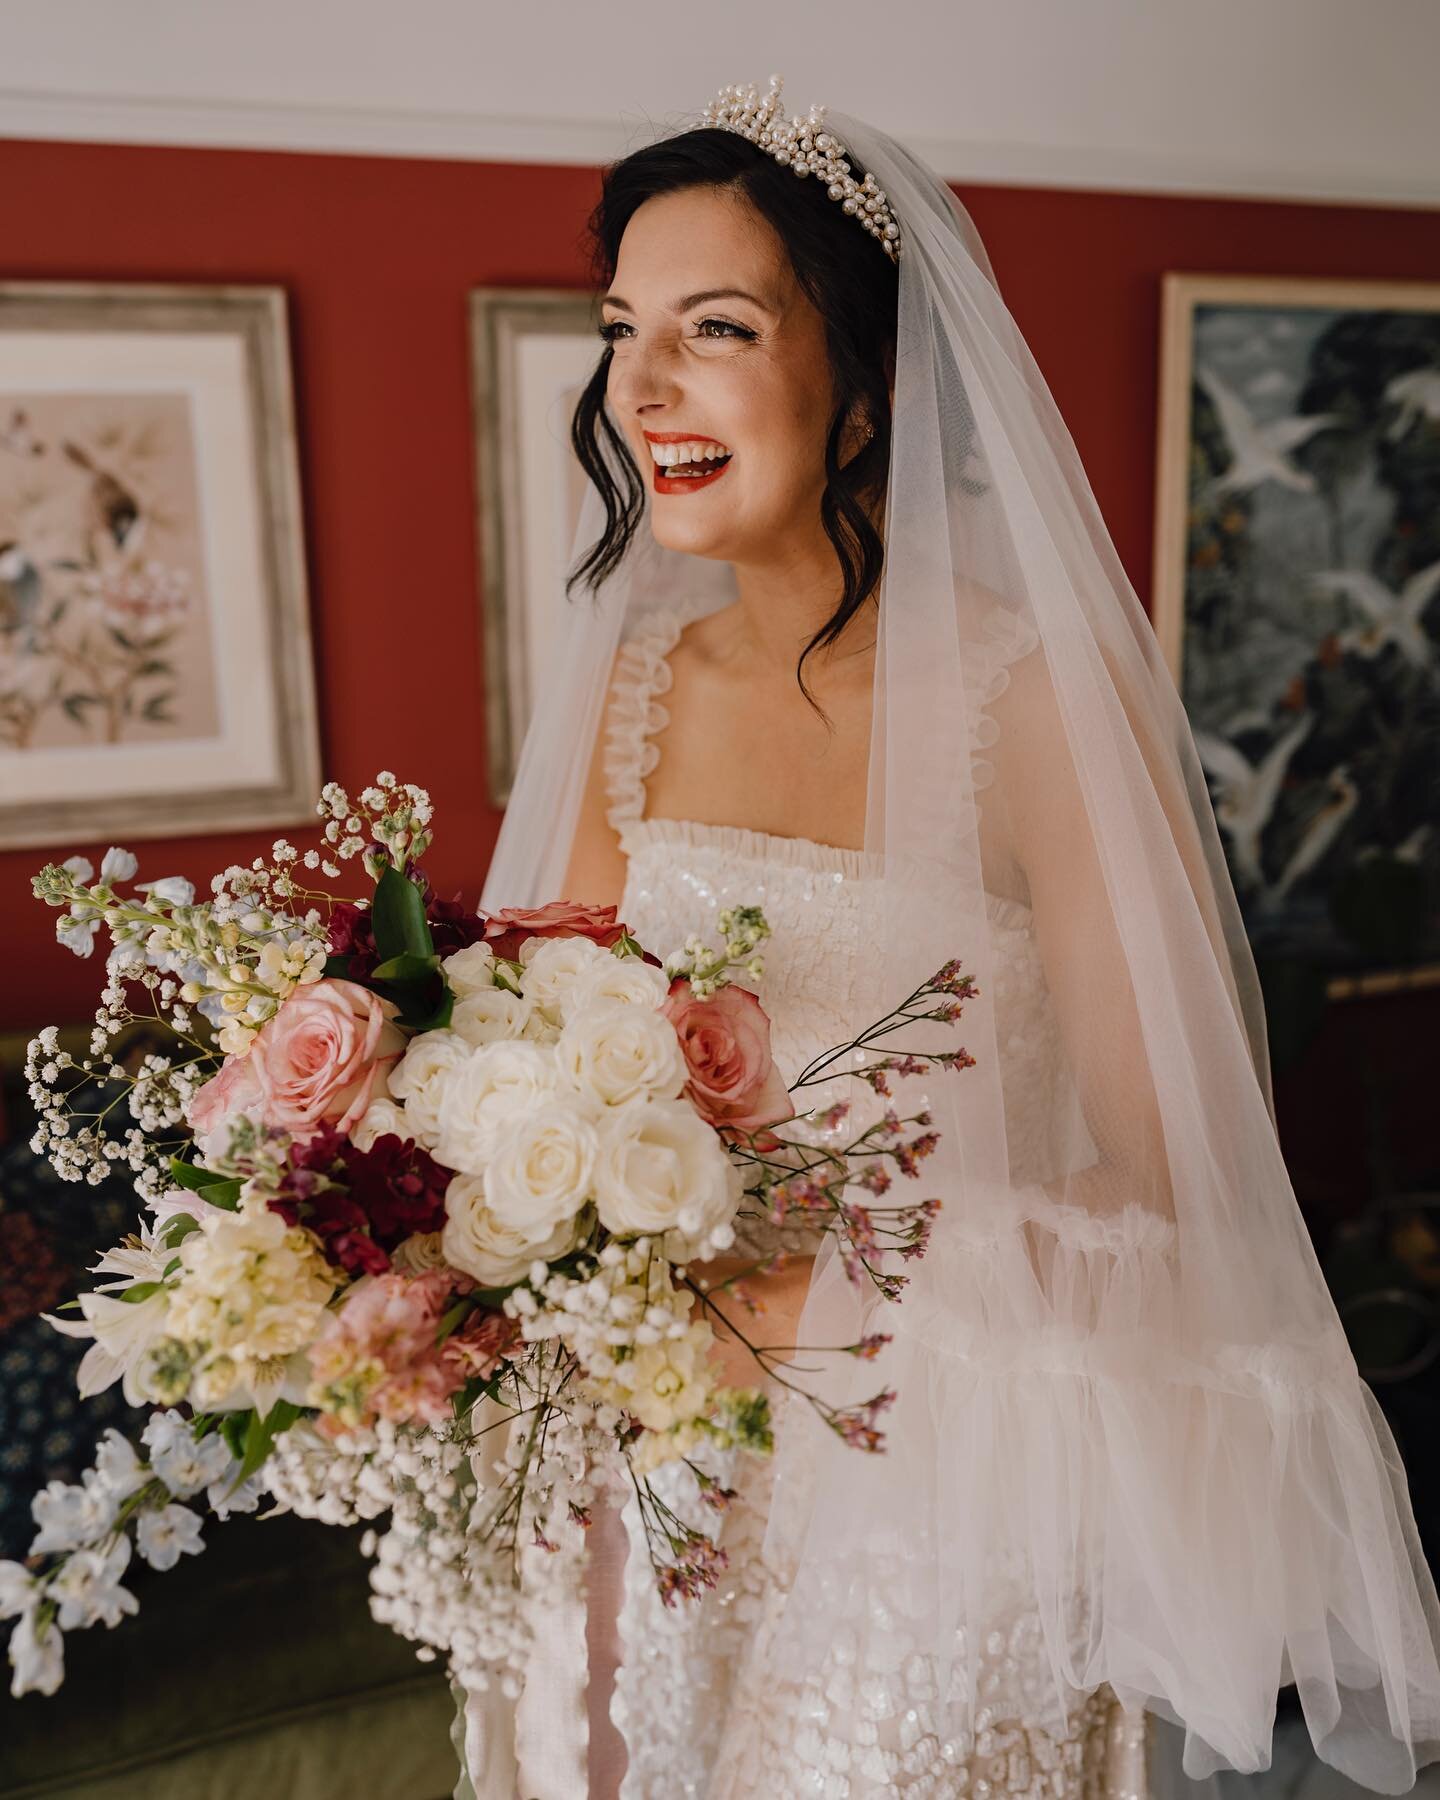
[[703, 1709]]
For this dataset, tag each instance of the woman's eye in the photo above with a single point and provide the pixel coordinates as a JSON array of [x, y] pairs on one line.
[[612, 328]]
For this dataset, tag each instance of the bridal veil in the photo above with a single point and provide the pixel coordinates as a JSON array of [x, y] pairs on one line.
[[1127, 1410]]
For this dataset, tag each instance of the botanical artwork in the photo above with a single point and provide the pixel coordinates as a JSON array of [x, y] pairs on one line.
[[155, 665], [104, 627], [1308, 631]]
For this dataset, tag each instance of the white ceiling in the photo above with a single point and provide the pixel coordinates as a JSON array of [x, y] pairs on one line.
[[1307, 99]]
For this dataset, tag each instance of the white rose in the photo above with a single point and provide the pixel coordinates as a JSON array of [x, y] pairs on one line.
[[541, 1170], [662, 1168], [382, 1117], [491, 1015], [421, 1077], [474, 1240], [556, 969], [498, 1082], [470, 969], [616, 1052], [624, 978]]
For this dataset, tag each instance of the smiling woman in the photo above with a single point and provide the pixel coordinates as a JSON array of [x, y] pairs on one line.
[[883, 674]]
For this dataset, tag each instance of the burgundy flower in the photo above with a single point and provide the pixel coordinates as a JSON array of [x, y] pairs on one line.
[[362, 1203], [351, 933]]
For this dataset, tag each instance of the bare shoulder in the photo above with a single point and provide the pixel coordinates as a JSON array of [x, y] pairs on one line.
[[596, 870]]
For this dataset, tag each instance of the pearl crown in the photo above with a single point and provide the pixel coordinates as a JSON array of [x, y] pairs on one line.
[[806, 147]]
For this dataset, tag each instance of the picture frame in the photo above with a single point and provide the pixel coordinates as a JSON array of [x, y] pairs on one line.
[[533, 349], [1296, 599], [156, 669]]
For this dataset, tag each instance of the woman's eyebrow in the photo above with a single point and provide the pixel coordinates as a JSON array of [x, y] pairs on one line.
[[688, 300]]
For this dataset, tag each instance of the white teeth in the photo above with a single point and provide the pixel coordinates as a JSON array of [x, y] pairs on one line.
[[667, 455]]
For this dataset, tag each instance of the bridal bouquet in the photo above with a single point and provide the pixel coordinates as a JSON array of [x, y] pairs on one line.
[[414, 1174]]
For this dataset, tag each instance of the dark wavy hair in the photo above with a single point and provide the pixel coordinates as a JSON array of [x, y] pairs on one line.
[[852, 284]]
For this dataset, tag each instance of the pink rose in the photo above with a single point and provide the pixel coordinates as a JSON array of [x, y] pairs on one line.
[[323, 1057], [507, 930], [732, 1078], [234, 1090]]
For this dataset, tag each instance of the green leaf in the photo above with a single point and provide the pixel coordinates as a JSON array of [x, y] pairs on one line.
[[337, 966], [260, 1436], [217, 1189], [177, 1228], [170, 1268], [397, 915], [407, 967], [140, 1290], [451, 1321], [233, 1427]]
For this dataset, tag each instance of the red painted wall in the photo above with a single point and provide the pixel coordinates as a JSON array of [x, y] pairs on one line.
[[377, 255]]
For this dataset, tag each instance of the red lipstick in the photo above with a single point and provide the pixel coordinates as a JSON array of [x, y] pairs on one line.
[[681, 484]]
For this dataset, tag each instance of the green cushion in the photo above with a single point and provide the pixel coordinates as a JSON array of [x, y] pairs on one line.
[[254, 1668]]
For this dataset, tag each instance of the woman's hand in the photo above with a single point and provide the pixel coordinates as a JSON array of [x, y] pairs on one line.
[[780, 1295]]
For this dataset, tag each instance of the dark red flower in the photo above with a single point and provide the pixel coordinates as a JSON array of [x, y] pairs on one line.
[[362, 1203]]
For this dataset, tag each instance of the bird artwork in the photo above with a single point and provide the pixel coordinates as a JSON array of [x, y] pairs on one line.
[[115, 512], [1319, 834], [1259, 452], [20, 589], [1248, 792], [1390, 617], [1417, 395]]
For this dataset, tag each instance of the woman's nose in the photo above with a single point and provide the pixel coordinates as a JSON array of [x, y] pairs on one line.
[[644, 374]]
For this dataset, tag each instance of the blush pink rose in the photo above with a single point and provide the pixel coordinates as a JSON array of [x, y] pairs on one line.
[[731, 1076], [233, 1090], [320, 1061], [507, 930]]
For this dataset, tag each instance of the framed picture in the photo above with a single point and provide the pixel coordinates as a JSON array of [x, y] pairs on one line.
[[532, 352], [156, 676], [1297, 599]]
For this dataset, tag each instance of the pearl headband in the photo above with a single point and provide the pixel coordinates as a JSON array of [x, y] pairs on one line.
[[804, 146]]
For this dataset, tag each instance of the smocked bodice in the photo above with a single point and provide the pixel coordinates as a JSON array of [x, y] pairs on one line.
[[824, 905]]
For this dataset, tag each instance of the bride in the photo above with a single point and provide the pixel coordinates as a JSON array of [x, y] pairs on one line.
[[851, 642]]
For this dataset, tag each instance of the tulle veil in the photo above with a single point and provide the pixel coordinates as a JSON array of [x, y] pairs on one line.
[[1127, 1409]]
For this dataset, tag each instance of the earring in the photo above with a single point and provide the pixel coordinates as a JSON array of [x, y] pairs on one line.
[[869, 431]]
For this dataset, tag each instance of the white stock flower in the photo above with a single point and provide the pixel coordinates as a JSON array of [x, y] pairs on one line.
[[117, 1468], [165, 1535], [662, 1168], [539, 1175], [71, 1515], [19, 1589], [420, 1077], [615, 1052], [495, 1254], [491, 1015], [38, 1659], [498, 1082], [556, 969], [470, 969], [382, 1118], [87, 1586], [183, 1462], [624, 978], [117, 865]]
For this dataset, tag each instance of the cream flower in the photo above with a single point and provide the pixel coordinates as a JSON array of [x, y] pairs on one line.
[[662, 1168], [476, 1242], [556, 969], [490, 1015], [496, 1083], [252, 1291], [382, 1118], [615, 1052], [666, 1383], [470, 969], [420, 1079], [540, 1173]]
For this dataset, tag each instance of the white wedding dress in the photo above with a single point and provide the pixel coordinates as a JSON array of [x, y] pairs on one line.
[[703, 1708]]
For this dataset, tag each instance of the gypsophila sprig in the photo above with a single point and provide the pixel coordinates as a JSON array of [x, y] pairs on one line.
[[391, 815]]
